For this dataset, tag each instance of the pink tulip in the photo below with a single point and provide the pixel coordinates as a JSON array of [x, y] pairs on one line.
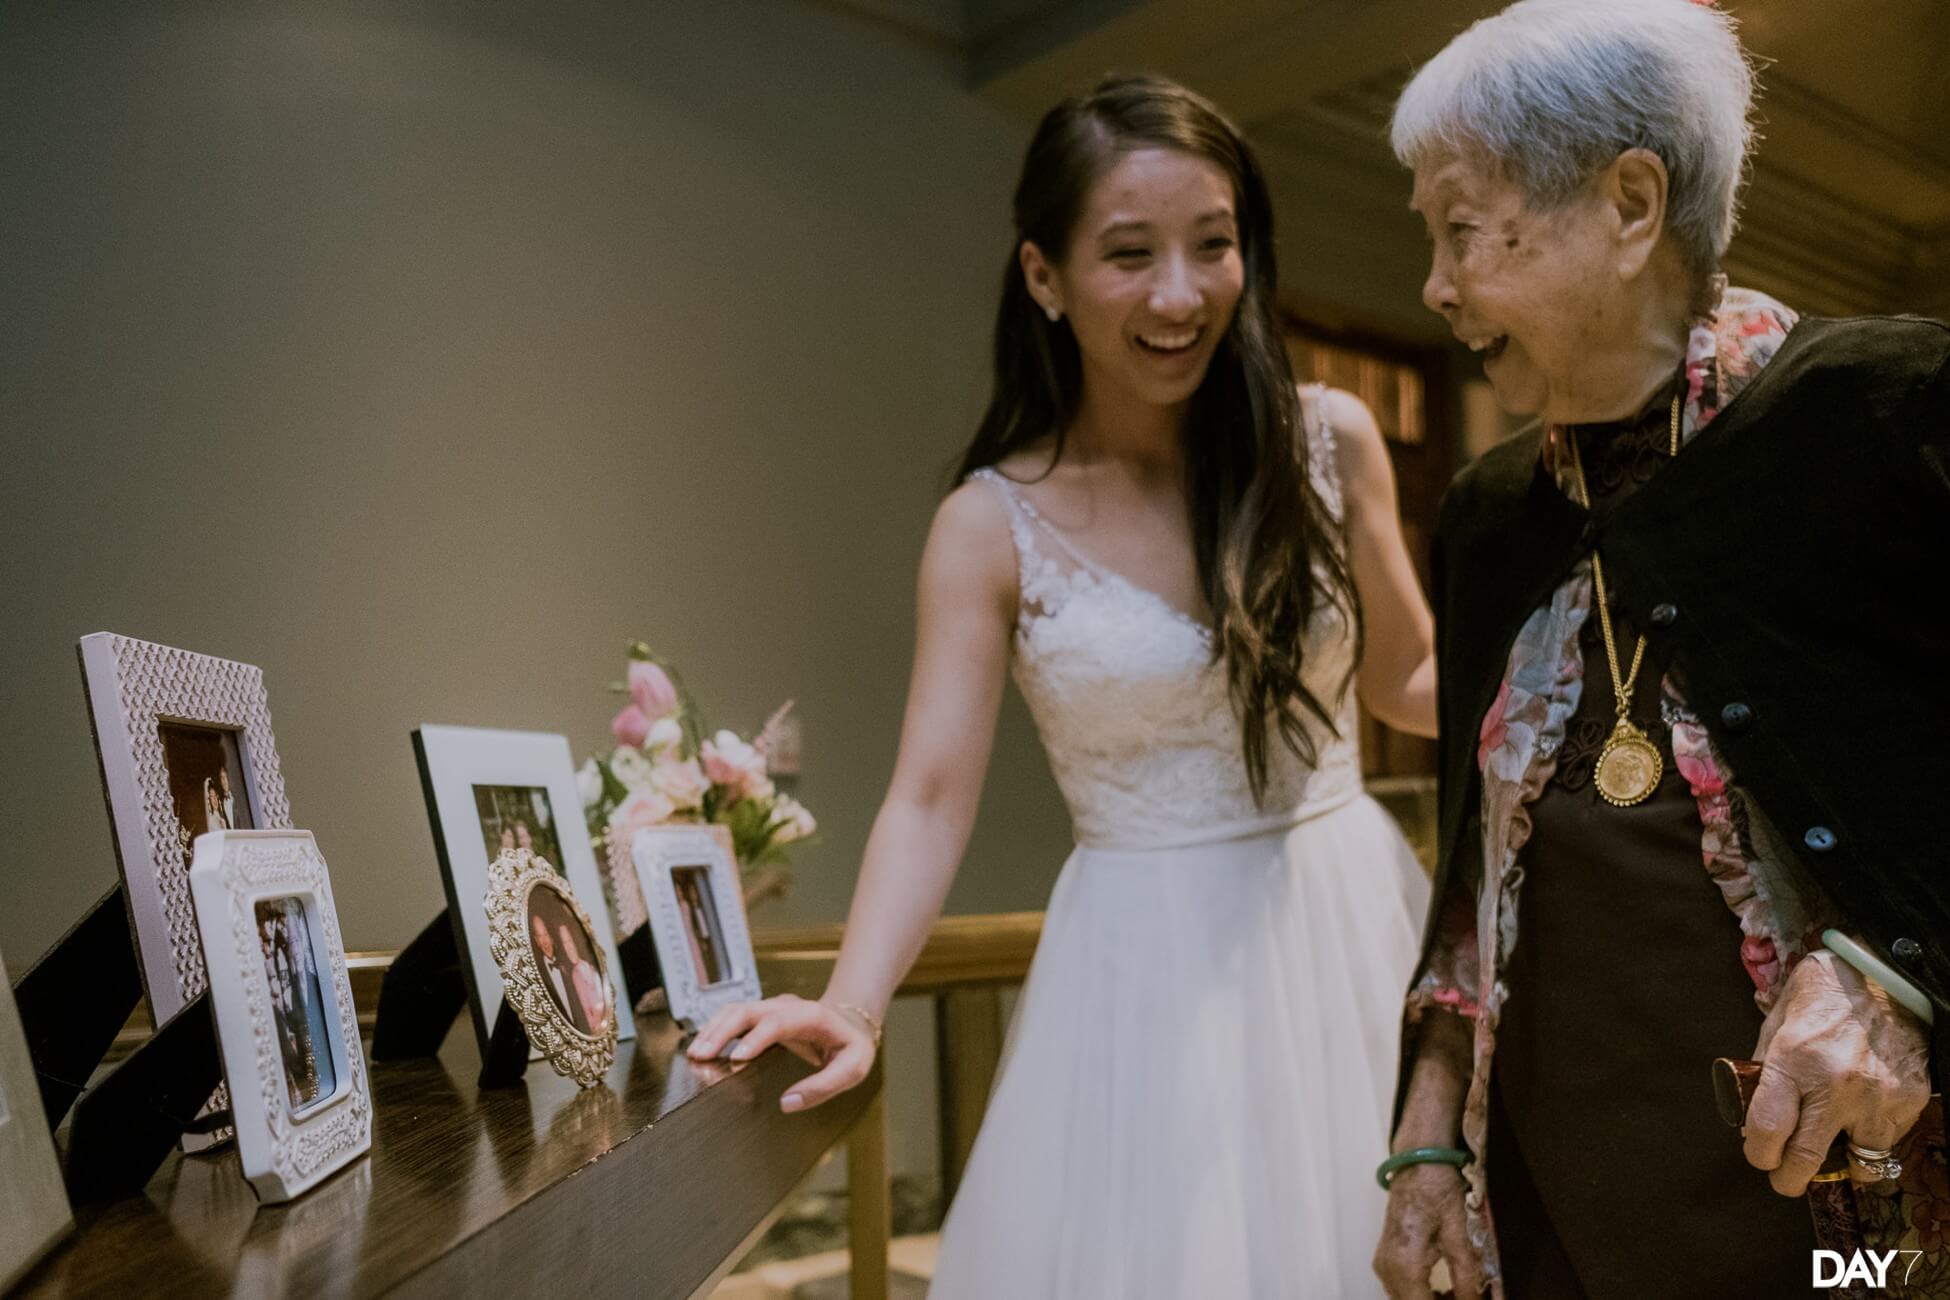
[[631, 726], [651, 691]]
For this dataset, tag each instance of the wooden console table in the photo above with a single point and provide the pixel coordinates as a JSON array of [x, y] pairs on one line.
[[651, 1186]]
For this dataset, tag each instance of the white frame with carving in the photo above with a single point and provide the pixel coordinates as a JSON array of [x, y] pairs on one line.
[[453, 760], [657, 850], [282, 1154]]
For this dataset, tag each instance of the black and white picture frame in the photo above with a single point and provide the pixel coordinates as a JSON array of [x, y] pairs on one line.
[[690, 883], [33, 1203], [282, 1001], [491, 791], [185, 746]]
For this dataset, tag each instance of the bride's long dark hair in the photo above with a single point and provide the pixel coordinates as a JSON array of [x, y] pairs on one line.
[[1267, 549]]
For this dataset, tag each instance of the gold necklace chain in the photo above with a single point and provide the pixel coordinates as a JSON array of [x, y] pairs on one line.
[[1629, 767]]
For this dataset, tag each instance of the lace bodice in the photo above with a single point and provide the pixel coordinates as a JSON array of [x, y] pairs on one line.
[[1134, 711]]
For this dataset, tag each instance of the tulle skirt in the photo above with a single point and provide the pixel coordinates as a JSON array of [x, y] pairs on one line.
[[1199, 1076]]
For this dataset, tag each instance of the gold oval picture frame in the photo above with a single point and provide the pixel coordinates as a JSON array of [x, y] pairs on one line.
[[553, 969]]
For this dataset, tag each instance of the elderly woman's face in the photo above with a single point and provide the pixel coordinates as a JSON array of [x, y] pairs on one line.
[[1526, 290]]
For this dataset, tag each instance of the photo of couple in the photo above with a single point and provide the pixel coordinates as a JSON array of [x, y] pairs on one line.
[[518, 817], [702, 931], [206, 781], [299, 1010], [565, 960]]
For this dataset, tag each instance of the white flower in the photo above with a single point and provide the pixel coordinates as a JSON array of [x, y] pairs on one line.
[[665, 733], [732, 763], [792, 819], [681, 781], [630, 767], [589, 783]]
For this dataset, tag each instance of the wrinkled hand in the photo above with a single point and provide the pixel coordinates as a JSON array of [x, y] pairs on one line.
[[1425, 1223], [841, 1045], [1838, 1055]]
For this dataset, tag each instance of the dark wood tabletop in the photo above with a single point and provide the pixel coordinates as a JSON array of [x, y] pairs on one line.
[[644, 1186]]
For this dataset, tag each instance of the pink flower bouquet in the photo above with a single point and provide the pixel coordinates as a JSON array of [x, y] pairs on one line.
[[666, 768]]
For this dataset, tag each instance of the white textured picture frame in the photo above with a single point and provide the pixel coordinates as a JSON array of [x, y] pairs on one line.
[[657, 852], [133, 687], [453, 760], [283, 1153]]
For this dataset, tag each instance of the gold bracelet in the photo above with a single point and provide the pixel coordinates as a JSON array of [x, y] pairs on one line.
[[873, 1021]]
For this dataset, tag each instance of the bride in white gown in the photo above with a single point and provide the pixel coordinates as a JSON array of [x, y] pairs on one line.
[[1163, 540]]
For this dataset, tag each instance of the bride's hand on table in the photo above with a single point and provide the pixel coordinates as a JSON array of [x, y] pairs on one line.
[[841, 1042]]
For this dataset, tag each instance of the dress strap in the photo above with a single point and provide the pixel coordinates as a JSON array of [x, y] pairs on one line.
[[1032, 519], [1323, 451], [1039, 577], [1018, 512]]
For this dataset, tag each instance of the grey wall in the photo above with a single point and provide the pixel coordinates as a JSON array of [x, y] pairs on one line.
[[424, 354], [1350, 250]]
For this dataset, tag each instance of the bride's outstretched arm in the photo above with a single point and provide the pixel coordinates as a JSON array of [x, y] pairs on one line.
[[1397, 674], [966, 617]]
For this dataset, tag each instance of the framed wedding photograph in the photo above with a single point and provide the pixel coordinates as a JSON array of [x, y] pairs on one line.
[[286, 1025], [185, 746], [691, 888], [492, 792], [33, 1202], [553, 971]]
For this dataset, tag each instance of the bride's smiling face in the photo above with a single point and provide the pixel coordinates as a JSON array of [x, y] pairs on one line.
[[1151, 276]]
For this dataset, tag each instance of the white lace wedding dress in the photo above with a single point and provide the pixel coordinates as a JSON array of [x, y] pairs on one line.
[[1197, 1085]]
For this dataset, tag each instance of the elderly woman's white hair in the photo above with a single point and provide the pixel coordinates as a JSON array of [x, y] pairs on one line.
[[1551, 91]]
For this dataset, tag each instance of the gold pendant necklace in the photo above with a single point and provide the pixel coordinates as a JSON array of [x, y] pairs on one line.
[[1629, 766]]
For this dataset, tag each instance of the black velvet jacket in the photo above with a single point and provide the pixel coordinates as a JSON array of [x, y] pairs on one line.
[[1794, 564]]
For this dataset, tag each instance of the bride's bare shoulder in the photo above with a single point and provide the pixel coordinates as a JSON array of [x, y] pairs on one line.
[[970, 557]]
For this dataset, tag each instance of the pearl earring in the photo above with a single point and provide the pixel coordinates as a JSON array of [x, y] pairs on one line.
[[1052, 311]]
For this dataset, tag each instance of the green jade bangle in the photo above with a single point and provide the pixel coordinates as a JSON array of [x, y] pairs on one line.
[[1873, 967], [1420, 1156]]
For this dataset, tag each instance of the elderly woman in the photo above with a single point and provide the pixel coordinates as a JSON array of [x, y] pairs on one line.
[[1695, 688]]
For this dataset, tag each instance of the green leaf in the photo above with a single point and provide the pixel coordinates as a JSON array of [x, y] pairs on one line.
[[614, 791]]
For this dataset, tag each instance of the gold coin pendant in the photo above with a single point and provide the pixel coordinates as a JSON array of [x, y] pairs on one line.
[[1629, 767]]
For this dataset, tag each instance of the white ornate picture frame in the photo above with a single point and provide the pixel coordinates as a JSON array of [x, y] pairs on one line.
[[286, 1025], [33, 1203], [454, 762], [570, 1013], [696, 902], [137, 691]]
